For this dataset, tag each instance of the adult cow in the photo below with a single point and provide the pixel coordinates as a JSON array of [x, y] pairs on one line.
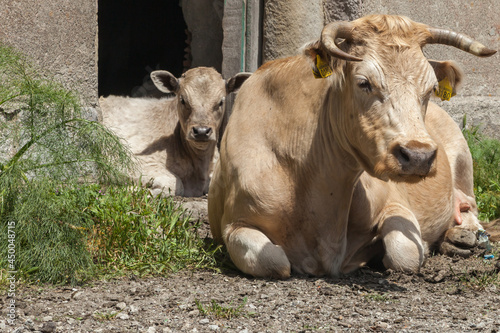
[[295, 146], [175, 138]]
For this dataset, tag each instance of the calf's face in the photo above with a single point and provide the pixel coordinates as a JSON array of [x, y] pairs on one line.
[[200, 94]]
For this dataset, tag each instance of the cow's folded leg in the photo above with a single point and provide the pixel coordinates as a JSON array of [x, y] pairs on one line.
[[400, 233], [254, 253], [166, 184]]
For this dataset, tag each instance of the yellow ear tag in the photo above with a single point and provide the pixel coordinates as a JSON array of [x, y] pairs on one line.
[[445, 91], [322, 69]]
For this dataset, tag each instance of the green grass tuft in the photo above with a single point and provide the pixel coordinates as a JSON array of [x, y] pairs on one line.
[[486, 158], [223, 312], [376, 297], [135, 232]]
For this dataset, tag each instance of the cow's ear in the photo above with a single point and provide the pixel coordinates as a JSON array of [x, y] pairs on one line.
[[165, 81], [450, 70], [234, 83], [311, 50], [319, 59]]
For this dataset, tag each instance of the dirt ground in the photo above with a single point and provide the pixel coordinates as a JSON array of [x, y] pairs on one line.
[[448, 295]]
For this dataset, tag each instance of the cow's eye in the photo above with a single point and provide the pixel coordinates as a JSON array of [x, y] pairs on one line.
[[183, 102], [221, 103], [365, 85]]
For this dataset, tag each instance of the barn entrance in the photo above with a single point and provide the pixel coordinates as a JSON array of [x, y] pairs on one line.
[[135, 38]]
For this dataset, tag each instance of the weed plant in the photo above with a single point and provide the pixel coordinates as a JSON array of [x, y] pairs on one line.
[[135, 232], [486, 158], [46, 145]]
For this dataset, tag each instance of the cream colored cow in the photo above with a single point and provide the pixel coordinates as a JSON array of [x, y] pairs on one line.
[[175, 138], [296, 145]]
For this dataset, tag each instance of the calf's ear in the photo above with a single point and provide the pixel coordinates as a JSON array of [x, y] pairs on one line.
[[165, 81], [450, 70], [234, 83]]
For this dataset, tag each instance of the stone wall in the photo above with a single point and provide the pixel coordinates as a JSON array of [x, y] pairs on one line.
[[288, 25], [59, 36], [204, 21]]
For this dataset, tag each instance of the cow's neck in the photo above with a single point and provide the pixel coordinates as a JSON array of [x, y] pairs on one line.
[[331, 149]]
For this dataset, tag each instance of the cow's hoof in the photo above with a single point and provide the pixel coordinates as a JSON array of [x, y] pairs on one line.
[[451, 250], [461, 238], [458, 242]]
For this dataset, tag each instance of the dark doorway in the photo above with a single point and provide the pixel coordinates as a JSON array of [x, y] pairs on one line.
[[135, 38]]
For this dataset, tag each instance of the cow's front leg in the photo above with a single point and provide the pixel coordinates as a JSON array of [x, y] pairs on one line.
[[400, 234], [254, 253]]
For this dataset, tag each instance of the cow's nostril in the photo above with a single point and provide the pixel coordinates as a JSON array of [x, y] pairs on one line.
[[202, 132], [404, 154], [417, 161]]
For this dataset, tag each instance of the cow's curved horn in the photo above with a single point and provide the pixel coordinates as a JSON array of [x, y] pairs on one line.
[[335, 30], [462, 42]]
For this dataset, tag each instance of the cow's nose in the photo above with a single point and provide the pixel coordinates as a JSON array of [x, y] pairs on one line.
[[202, 132], [415, 159]]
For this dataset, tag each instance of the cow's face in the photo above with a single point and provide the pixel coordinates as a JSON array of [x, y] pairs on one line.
[[384, 115], [200, 94], [381, 89]]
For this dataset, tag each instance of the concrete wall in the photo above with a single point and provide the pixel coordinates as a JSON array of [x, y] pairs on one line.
[[59, 36], [204, 21], [288, 25]]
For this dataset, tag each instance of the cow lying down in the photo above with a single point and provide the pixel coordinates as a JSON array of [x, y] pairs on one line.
[[174, 139], [335, 156]]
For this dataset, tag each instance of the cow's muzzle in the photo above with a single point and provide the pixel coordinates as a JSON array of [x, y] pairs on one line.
[[201, 133], [415, 158]]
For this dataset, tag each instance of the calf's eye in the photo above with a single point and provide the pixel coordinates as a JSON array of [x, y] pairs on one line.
[[183, 102]]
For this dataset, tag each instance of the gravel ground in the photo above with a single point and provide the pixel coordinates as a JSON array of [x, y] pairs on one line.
[[448, 295]]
